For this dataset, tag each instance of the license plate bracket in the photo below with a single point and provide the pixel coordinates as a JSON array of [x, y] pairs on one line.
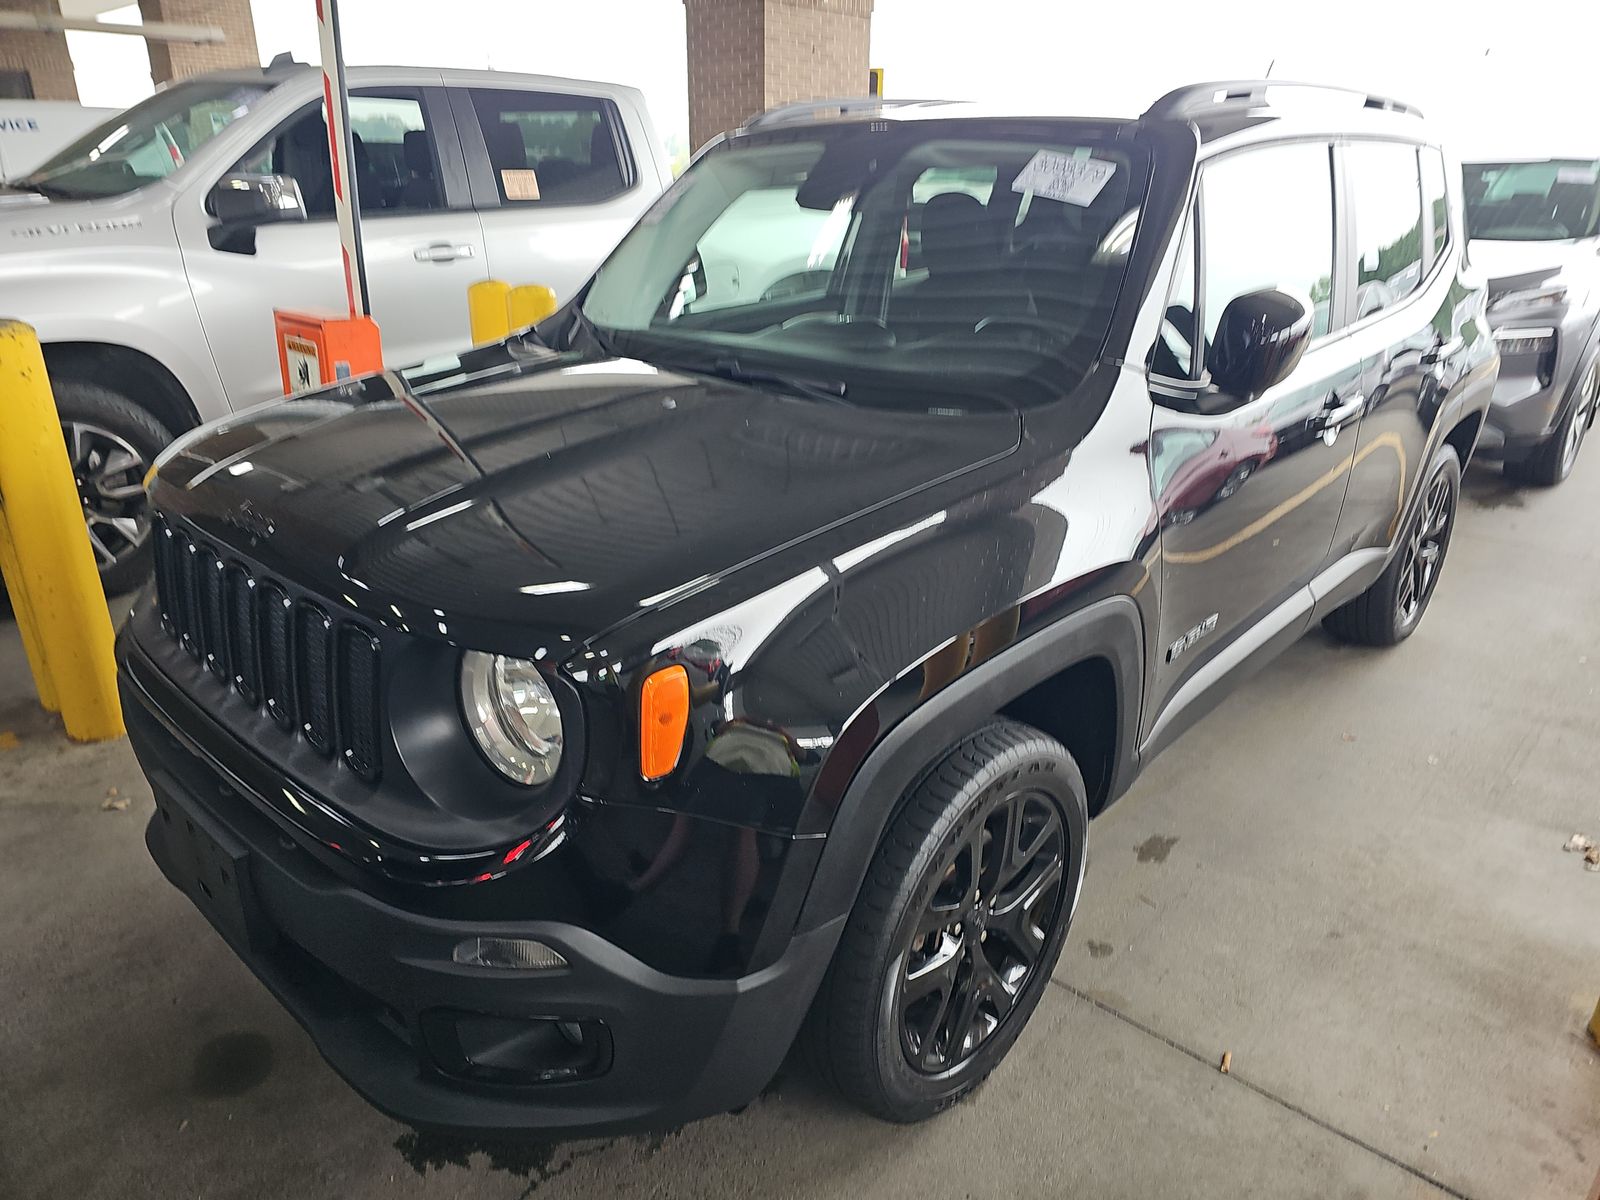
[[215, 869]]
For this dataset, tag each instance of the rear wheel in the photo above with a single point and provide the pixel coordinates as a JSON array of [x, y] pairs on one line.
[[957, 927], [1553, 461], [1388, 611], [111, 442]]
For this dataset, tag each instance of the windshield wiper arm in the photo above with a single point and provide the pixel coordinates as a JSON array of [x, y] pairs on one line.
[[831, 390]]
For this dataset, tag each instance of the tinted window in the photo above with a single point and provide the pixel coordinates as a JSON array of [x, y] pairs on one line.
[[1547, 200], [1433, 196], [1267, 222], [551, 149], [1386, 197], [396, 162]]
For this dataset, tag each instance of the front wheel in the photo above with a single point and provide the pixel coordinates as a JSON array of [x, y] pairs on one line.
[[111, 443], [1554, 459], [957, 927], [1388, 611]]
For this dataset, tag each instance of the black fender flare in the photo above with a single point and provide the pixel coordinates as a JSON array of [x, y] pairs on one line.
[[1110, 628]]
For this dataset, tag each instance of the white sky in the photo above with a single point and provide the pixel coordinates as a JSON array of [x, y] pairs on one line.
[[1493, 83]]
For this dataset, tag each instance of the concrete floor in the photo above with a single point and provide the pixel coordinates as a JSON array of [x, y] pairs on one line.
[[1350, 877]]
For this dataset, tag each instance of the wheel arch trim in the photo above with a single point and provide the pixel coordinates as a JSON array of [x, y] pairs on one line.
[[1110, 628]]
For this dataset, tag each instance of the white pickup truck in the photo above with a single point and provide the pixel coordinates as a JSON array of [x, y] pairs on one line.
[[156, 314]]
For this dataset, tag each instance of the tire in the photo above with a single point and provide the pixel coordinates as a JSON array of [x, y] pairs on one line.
[[111, 442], [1553, 460], [1390, 610], [939, 854]]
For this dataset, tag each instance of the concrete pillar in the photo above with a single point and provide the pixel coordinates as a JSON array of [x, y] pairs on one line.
[[177, 60], [42, 56], [748, 55]]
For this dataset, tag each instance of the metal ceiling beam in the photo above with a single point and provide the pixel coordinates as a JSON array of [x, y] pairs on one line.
[[155, 31]]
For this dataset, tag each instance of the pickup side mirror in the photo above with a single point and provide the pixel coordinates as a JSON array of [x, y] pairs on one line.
[[241, 202], [1258, 342]]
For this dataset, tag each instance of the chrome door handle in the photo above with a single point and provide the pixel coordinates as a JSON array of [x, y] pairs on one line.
[[1339, 412], [443, 251], [1444, 350]]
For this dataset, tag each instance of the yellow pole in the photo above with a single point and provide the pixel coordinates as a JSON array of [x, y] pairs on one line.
[[488, 310], [49, 567], [530, 304]]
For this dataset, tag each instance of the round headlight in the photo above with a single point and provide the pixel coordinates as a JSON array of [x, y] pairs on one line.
[[513, 716]]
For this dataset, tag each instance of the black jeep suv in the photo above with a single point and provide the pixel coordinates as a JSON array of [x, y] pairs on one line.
[[557, 730]]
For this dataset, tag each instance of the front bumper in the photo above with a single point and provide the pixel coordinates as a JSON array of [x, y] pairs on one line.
[[377, 989]]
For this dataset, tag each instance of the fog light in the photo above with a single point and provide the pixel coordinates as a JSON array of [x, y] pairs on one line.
[[509, 954]]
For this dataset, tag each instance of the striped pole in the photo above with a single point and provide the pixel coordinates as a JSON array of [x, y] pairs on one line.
[[346, 202]]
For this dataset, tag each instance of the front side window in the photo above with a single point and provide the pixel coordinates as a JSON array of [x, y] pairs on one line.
[[934, 264], [1267, 223], [546, 148], [1544, 201], [1386, 196], [395, 159], [149, 141]]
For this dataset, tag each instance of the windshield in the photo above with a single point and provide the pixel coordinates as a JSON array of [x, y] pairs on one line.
[[149, 141], [1543, 201], [921, 265]]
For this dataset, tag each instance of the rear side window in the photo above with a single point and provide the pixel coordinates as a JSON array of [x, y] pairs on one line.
[[1433, 199], [546, 148], [1266, 221], [1386, 197]]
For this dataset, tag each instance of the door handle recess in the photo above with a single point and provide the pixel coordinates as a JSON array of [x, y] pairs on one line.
[[443, 251]]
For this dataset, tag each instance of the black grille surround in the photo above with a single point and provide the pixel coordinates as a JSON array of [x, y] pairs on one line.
[[315, 675]]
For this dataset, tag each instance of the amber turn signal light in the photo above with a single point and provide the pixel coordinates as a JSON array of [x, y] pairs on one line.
[[663, 717]]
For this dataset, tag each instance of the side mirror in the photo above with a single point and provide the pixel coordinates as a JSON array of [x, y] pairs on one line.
[[241, 202], [1258, 342]]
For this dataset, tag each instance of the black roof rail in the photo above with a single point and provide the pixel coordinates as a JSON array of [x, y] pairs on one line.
[[1196, 101], [283, 63], [848, 106]]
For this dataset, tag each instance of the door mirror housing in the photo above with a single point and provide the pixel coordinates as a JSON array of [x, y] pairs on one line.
[[242, 202], [1259, 341]]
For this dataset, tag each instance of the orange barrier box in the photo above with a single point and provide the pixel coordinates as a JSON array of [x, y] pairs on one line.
[[313, 350]]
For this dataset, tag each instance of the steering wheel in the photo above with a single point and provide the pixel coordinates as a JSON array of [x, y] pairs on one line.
[[1050, 329]]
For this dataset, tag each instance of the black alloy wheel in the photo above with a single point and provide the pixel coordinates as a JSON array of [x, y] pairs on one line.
[[958, 924], [982, 934], [1424, 551]]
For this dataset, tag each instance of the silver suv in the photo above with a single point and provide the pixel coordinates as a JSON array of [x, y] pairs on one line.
[[156, 315]]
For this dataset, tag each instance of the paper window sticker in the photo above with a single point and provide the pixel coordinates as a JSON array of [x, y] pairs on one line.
[[520, 184], [1057, 176], [1586, 174]]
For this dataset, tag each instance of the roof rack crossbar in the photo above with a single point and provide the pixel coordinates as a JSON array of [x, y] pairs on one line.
[[847, 106], [1203, 99]]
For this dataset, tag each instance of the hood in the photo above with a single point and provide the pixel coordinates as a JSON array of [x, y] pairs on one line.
[[1516, 265], [557, 500], [29, 221]]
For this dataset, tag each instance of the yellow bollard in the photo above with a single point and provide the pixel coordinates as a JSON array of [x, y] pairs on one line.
[[49, 568], [1594, 1025], [488, 310], [530, 304]]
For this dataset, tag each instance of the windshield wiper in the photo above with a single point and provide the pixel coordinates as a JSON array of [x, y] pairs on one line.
[[831, 390]]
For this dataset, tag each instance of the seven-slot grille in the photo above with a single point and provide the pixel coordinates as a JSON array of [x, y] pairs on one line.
[[313, 674]]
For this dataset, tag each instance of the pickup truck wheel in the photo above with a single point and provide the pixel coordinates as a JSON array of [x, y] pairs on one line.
[[957, 927], [1387, 612], [111, 442], [1552, 462]]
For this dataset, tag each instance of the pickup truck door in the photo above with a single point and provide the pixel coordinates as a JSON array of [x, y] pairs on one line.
[[421, 240], [557, 178]]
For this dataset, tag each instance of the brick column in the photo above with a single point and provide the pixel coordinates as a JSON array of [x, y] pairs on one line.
[[179, 60], [42, 55], [748, 55]]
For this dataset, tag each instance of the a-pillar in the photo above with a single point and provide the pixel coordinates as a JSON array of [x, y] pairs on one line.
[[748, 55]]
